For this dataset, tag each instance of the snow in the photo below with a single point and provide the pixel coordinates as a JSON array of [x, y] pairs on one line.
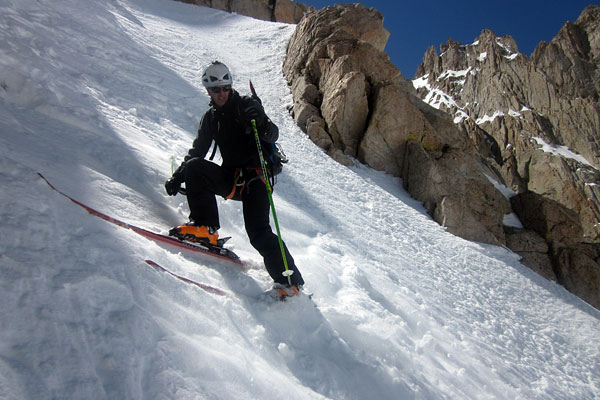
[[435, 97], [422, 82], [460, 116], [488, 118], [509, 219], [512, 220], [511, 55], [506, 191], [451, 74], [562, 151], [514, 113], [99, 96], [438, 98]]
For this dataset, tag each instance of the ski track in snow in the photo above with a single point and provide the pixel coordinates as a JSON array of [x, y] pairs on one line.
[[100, 96]]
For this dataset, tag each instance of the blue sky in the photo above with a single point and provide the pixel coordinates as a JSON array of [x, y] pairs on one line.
[[416, 25]]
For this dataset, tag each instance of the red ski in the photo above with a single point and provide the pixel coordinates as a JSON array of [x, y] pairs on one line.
[[208, 288], [214, 251]]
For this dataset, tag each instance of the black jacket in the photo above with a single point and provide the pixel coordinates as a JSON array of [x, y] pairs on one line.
[[230, 128]]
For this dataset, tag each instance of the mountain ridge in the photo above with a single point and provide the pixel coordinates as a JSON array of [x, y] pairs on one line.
[[536, 121]]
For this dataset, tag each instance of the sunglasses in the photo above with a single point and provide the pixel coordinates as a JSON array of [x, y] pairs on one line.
[[217, 90]]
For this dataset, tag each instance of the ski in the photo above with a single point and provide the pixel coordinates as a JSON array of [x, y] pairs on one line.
[[202, 286], [204, 248]]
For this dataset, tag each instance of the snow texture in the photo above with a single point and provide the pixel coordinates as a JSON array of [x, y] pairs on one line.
[[562, 151], [99, 96]]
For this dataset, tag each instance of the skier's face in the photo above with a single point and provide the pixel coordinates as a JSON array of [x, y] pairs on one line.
[[219, 94]]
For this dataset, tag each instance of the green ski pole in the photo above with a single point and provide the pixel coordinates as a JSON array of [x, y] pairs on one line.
[[288, 272]]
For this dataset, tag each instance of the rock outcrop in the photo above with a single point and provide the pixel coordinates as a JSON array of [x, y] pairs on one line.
[[536, 123], [286, 11], [355, 104]]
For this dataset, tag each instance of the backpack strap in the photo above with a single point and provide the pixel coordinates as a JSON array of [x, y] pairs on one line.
[[214, 151]]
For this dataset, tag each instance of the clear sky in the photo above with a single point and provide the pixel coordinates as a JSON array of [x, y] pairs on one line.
[[416, 25]]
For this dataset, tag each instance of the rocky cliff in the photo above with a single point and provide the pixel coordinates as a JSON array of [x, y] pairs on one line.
[[536, 123], [286, 11], [491, 121], [354, 103]]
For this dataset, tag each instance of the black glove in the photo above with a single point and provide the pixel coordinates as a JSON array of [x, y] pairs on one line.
[[271, 133], [172, 185], [253, 111]]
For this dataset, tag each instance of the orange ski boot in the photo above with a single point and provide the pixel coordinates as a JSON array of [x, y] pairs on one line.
[[285, 291], [196, 233]]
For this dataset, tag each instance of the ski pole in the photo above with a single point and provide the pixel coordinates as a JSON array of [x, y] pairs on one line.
[[288, 272]]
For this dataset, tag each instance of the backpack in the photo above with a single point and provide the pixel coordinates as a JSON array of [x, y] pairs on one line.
[[273, 153]]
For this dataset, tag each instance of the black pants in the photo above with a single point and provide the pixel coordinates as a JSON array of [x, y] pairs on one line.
[[204, 180]]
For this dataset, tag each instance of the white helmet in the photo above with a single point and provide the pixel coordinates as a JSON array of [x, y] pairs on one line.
[[216, 74]]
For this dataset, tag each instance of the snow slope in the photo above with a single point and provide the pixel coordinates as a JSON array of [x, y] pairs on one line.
[[99, 96]]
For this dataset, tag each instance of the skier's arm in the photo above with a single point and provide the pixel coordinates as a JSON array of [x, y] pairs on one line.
[[253, 110], [199, 149], [203, 140]]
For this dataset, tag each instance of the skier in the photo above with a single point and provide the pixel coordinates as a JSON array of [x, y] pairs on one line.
[[239, 177]]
